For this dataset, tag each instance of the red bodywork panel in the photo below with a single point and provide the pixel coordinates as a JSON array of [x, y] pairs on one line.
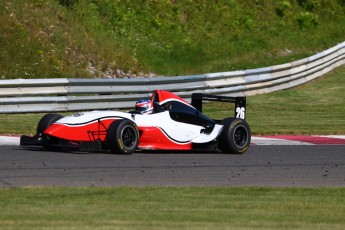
[[150, 137], [85, 132], [165, 95], [155, 138]]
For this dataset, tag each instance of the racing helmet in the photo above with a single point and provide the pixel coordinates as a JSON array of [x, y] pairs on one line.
[[143, 106]]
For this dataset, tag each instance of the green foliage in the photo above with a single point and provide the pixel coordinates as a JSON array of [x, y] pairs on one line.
[[283, 8], [68, 3], [307, 20], [309, 5], [94, 38]]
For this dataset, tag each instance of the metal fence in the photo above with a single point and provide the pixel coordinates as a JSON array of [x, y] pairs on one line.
[[57, 95]]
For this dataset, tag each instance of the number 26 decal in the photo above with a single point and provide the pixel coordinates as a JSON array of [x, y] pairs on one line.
[[240, 112]]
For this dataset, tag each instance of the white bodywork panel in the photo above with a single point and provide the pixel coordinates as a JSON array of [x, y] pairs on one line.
[[204, 138], [178, 131]]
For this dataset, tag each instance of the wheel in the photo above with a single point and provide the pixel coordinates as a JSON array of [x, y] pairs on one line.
[[46, 121], [122, 137], [235, 136]]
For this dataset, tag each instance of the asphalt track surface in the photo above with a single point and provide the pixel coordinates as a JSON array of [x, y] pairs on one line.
[[261, 165]]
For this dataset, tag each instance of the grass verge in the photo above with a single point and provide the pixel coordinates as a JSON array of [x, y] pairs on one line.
[[317, 107], [172, 208]]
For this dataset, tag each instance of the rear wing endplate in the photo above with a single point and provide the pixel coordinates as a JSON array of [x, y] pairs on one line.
[[240, 102]]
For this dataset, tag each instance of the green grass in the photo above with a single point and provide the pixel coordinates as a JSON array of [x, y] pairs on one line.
[[44, 39], [314, 108], [20, 123], [95, 38], [317, 107], [172, 208]]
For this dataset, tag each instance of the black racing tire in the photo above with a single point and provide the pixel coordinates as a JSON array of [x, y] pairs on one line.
[[122, 137], [235, 137], [46, 121]]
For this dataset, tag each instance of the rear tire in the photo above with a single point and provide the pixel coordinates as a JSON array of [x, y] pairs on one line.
[[235, 136], [123, 137]]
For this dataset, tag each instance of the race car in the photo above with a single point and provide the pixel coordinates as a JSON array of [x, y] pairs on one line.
[[165, 122]]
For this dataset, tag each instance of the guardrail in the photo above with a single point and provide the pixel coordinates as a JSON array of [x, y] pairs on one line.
[[57, 95]]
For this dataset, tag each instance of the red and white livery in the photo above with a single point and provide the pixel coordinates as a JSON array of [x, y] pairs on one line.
[[171, 124]]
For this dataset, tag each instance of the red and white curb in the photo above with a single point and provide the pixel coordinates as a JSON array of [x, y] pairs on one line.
[[256, 140], [299, 140], [7, 140]]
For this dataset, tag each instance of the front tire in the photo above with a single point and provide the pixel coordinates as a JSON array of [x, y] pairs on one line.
[[123, 137], [235, 136], [46, 121]]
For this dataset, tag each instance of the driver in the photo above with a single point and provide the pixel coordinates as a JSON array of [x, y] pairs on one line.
[[143, 106]]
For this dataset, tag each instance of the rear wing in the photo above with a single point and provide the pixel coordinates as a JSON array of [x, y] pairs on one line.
[[240, 102]]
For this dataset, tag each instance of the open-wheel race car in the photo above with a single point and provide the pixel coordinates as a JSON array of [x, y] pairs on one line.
[[165, 122]]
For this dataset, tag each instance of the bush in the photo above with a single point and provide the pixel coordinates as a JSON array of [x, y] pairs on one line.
[[68, 3], [307, 20], [309, 5], [284, 6]]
